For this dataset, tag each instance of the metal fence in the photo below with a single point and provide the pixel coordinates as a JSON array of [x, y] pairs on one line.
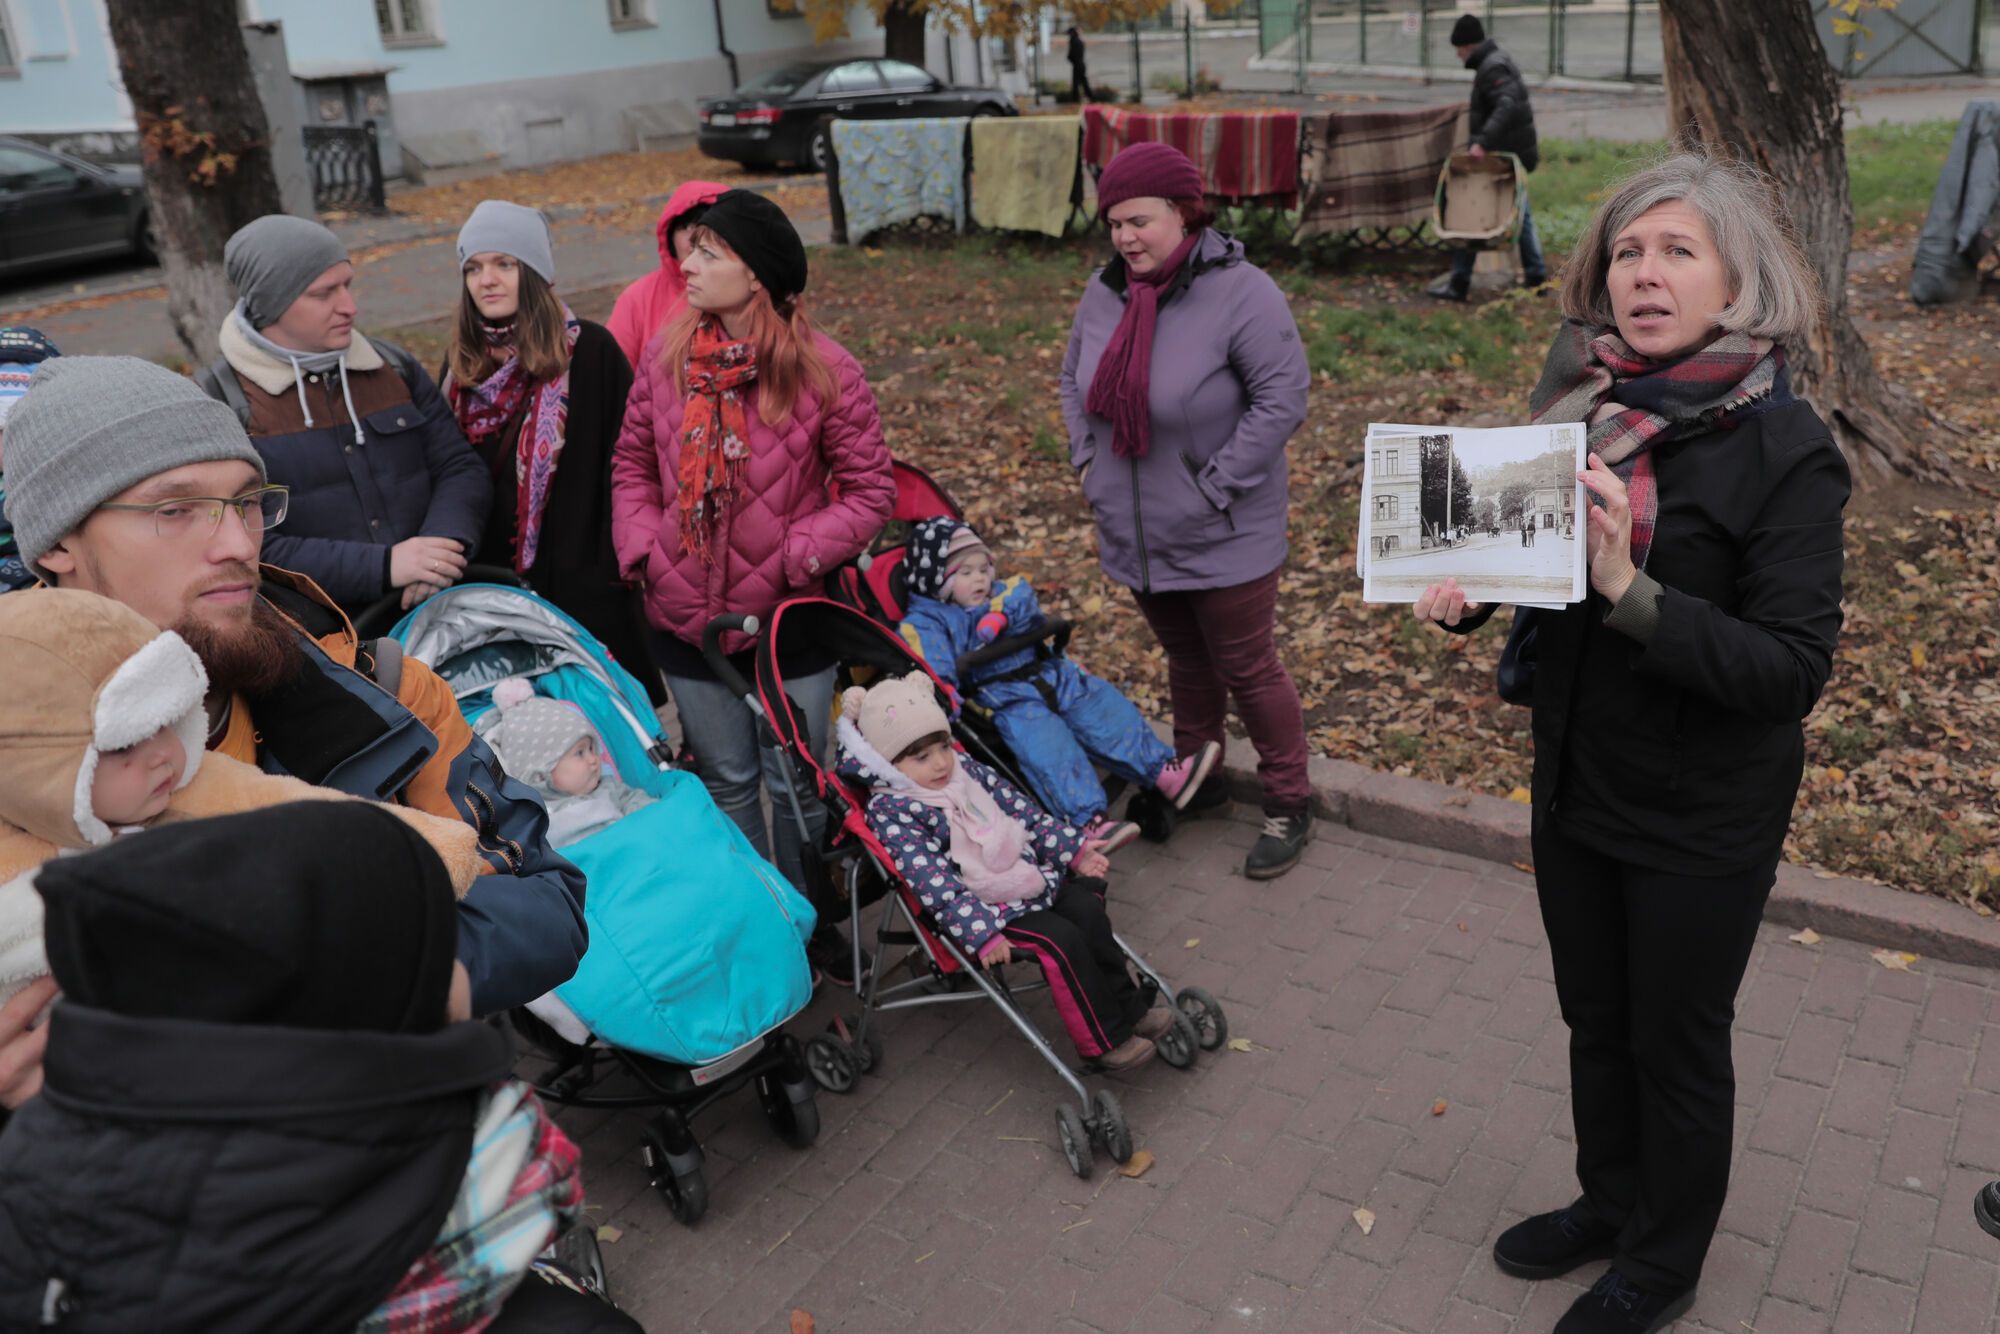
[[346, 166], [1586, 39]]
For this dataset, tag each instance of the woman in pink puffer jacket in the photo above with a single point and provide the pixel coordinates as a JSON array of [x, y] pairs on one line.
[[750, 465]]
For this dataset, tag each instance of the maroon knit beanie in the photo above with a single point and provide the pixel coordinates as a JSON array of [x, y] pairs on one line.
[[1147, 171]]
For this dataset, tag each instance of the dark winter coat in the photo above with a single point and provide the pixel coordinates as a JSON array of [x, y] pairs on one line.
[[1206, 507], [1502, 119], [1684, 752], [574, 567], [182, 1176], [411, 475]]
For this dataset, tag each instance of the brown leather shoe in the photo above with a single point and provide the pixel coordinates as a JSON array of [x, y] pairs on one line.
[[1130, 1054], [1154, 1022]]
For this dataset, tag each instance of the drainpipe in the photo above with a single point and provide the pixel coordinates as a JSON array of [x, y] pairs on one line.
[[722, 47]]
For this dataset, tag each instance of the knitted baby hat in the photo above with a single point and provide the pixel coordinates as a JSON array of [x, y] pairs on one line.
[[895, 712], [534, 732], [936, 549]]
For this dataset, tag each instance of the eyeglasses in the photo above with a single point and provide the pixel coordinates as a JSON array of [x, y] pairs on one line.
[[189, 517]]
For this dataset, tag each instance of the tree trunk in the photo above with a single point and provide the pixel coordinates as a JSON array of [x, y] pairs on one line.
[[903, 32], [1755, 83], [205, 144]]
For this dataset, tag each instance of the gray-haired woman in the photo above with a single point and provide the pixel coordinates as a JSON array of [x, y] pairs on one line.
[[1667, 705]]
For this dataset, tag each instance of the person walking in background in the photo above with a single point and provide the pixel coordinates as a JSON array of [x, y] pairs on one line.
[[1502, 122], [1668, 704], [540, 395], [21, 350], [751, 464], [386, 496], [1183, 382], [644, 308], [1079, 78]]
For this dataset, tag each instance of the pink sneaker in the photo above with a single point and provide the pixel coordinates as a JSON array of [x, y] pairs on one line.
[[1179, 780], [1114, 834]]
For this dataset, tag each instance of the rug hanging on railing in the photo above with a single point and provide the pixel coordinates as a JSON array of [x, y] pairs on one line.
[[1244, 156], [1024, 172], [1375, 168], [894, 171]]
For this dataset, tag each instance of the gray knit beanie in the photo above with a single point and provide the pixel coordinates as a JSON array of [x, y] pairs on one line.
[[533, 731], [509, 229], [91, 426], [272, 260]]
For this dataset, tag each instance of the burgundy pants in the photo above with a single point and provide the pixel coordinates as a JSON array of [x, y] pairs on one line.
[[1219, 644]]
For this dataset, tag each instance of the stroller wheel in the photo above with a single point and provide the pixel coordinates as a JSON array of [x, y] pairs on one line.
[[1206, 1013], [1075, 1140], [1112, 1132], [792, 1109], [832, 1063], [1154, 815], [1180, 1044], [868, 1053], [677, 1177]]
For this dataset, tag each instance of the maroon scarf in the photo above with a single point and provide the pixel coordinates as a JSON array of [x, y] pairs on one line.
[[1122, 388]]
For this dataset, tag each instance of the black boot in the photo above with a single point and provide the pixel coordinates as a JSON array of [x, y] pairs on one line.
[[1552, 1244], [831, 955], [1212, 795], [1986, 1208], [1448, 288], [1617, 1305], [1278, 850]]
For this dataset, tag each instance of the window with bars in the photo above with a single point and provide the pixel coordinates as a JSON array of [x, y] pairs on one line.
[[1387, 507], [405, 23], [629, 14]]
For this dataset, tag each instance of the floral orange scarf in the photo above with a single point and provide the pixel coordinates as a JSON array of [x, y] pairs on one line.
[[715, 433]]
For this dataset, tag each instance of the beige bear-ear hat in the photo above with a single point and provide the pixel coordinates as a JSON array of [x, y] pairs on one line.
[[893, 713]]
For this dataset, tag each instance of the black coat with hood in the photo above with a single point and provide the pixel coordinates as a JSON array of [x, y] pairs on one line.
[[253, 1116], [1503, 121]]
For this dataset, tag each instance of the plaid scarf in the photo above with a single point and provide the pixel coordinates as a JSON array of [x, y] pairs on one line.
[[715, 434], [520, 1186], [1633, 403], [483, 411]]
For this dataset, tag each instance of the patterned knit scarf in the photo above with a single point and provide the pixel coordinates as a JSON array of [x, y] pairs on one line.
[[1122, 388], [1633, 403], [715, 434], [520, 1186], [483, 411]]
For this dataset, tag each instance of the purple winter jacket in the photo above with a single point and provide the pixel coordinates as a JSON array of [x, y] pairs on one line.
[[1206, 507]]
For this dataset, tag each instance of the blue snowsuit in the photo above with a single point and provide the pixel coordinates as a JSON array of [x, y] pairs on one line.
[[1052, 714]]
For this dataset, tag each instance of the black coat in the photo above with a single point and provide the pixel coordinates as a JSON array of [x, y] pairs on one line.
[[181, 1176], [574, 565], [1684, 753], [1502, 119]]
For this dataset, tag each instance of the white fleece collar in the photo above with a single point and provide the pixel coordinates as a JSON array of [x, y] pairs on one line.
[[275, 376], [885, 776], [162, 685]]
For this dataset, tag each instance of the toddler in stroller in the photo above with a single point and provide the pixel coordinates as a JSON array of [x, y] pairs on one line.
[[992, 870], [1054, 716]]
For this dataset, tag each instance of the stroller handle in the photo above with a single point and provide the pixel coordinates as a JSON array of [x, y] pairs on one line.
[[711, 649]]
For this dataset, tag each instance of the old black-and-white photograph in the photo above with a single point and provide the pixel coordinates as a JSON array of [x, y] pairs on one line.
[[1497, 510]]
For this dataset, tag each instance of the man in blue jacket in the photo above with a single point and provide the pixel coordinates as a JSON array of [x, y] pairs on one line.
[[127, 481], [387, 496]]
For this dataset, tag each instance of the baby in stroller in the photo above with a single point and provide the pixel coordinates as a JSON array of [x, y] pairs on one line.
[[551, 746], [1052, 714], [994, 872]]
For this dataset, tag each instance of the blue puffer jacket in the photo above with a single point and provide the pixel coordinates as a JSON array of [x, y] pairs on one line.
[[943, 632]]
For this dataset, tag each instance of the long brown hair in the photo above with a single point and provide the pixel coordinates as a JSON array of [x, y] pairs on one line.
[[788, 356], [538, 334]]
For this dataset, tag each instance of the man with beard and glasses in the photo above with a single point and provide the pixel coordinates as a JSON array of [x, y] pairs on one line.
[[125, 480]]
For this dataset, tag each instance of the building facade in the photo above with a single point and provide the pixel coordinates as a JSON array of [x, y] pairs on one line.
[[1395, 495]]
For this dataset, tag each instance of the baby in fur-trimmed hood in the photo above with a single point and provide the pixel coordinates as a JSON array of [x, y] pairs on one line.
[[103, 732]]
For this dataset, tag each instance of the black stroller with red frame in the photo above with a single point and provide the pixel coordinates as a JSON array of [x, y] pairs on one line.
[[853, 864]]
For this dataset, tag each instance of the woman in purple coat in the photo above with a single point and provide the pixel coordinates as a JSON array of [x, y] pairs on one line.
[[1183, 381]]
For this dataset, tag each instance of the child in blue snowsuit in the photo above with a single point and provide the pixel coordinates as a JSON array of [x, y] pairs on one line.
[[1053, 715]]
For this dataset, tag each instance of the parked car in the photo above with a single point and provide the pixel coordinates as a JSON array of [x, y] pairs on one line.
[[56, 209], [777, 117]]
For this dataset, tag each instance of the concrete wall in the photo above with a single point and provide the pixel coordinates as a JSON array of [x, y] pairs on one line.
[[66, 76]]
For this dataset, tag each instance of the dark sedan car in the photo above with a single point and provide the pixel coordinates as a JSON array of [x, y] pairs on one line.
[[55, 209], [777, 116]]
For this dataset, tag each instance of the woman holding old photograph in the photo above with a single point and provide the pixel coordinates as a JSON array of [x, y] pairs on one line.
[[1183, 381], [1667, 704]]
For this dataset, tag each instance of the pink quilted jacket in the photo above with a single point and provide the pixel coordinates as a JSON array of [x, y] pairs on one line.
[[816, 490]]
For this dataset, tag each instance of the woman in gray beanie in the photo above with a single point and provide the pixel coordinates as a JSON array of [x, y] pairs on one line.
[[540, 394]]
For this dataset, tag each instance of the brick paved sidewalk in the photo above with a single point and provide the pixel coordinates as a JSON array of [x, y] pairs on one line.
[[1374, 981]]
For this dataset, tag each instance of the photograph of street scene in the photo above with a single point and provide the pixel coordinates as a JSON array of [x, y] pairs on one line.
[[1495, 509]]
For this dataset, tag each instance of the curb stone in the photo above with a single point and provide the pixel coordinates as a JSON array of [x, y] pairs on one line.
[[1432, 815]]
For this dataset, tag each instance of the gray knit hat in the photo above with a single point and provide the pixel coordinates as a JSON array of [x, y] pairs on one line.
[[533, 731], [272, 260], [509, 229], [91, 426]]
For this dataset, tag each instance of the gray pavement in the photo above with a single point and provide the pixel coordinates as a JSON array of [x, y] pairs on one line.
[[1375, 982]]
